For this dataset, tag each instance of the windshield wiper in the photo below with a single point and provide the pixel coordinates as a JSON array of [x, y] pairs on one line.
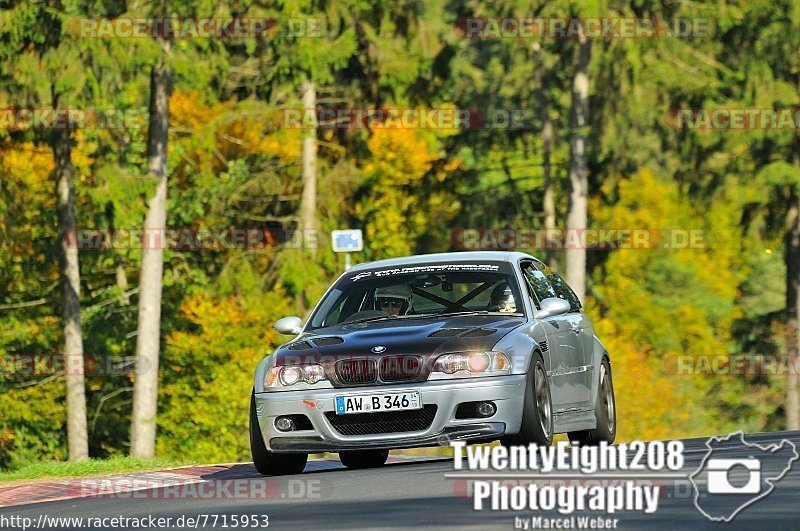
[[465, 312], [368, 319], [408, 316]]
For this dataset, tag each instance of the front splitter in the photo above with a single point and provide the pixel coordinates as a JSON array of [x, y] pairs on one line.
[[481, 432]]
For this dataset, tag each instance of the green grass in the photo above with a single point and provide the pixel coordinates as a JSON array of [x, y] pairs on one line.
[[98, 467], [93, 467]]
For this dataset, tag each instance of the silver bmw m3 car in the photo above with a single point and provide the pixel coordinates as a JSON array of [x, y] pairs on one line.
[[423, 350]]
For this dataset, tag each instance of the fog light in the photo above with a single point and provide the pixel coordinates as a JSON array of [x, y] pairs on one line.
[[486, 409], [284, 424]]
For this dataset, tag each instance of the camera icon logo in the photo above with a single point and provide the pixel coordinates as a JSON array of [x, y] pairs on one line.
[[736, 473], [719, 471]]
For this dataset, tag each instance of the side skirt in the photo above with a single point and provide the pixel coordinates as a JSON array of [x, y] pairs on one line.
[[574, 421]]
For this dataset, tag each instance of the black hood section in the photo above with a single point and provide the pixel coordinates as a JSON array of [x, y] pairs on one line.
[[402, 336]]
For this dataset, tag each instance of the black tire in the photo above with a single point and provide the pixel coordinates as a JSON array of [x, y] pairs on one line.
[[266, 462], [363, 458], [605, 410], [537, 413]]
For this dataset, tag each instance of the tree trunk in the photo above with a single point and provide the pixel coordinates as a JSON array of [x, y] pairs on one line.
[[792, 260], [77, 439], [549, 200], [122, 282], [119, 261], [308, 201], [548, 203], [578, 174], [148, 338]]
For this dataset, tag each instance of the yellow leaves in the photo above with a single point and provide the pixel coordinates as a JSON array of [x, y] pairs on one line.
[[697, 336], [32, 421], [187, 110], [399, 156], [30, 167], [228, 326], [26, 170], [230, 130], [453, 165], [645, 395], [675, 296], [211, 363], [81, 154], [246, 133], [213, 315], [400, 207], [6, 435], [644, 202]]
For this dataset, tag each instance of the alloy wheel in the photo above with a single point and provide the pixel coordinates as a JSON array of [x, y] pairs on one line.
[[543, 402], [607, 394]]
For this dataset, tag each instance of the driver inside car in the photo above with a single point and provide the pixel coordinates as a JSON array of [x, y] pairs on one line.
[[502, 300], [394, 300]]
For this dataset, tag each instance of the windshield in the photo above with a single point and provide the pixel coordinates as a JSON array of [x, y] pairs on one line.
[[420, 290]]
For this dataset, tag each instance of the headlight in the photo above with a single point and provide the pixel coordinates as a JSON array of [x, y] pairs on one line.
[[313, 373], [470, 364], [288, 375]]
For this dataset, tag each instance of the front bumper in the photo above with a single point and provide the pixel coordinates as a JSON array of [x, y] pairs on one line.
[[506, 392]]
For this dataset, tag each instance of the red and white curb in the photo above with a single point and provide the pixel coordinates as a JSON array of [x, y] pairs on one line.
[[232, 480], [67, 489]]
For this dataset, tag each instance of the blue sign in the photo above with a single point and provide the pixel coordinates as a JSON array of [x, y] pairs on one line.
[[347, 241]]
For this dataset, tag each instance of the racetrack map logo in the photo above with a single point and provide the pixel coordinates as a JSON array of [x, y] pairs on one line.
[[732, 477]]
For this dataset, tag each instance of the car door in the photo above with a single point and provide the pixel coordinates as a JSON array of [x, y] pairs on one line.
[[564, 345], [580, 366]]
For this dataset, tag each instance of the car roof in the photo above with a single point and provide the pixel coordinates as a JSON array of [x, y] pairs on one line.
[[490, 256]]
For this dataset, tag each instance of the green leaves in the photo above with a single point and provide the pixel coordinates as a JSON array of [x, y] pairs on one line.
[[235, 164], [778, 174]]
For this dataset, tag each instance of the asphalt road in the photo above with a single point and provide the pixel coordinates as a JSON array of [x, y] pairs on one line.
[[409, 494]]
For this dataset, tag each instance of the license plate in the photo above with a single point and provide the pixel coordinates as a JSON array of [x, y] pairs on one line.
[[372, 403]]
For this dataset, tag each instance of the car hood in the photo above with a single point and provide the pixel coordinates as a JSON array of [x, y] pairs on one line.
[[416, 336]]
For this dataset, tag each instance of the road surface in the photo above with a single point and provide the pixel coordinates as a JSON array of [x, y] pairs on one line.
[[409, 493]]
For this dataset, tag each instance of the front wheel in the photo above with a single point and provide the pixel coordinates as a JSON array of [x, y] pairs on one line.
[[266, 462], [605, 411], [537, 412], [363, 458]]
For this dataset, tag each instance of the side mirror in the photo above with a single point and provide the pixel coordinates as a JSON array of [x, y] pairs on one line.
[[289, 326], [552, 306]]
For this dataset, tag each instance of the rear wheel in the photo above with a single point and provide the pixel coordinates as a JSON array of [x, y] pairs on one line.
[[266, 462], [363, 458], [537, 413], [605, 411]]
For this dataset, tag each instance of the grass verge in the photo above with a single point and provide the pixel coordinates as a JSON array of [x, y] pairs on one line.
[[92, 467]]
